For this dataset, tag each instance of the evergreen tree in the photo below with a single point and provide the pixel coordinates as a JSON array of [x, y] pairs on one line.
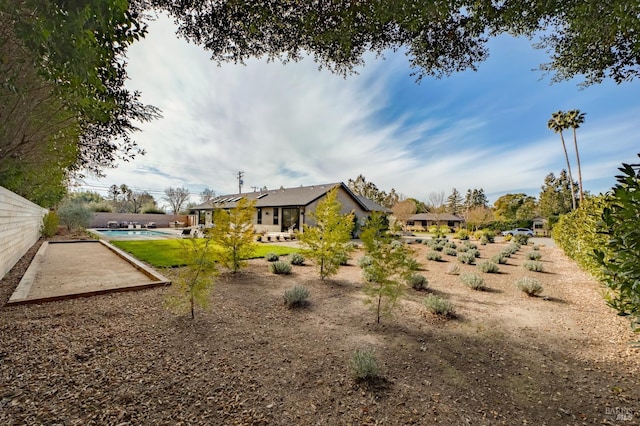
[[326, 243], [389, 265], [454, 202], [233, 232]]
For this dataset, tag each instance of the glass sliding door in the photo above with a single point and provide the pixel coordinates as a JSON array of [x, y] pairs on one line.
[[290, 218]]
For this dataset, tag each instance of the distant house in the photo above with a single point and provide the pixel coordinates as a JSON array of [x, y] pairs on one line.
[[540, 226], [287, 209], [425, 220]]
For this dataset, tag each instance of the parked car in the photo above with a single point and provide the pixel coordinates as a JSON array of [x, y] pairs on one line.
[[518, 231]]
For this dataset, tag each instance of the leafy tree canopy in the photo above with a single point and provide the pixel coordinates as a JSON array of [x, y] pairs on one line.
[[595, 39]]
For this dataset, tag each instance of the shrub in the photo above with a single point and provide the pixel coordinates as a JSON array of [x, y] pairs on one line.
[[297, 259], [463, 234], [499, 258], [521, 239], [488, 267], [50, 223], [450, 244], [534, 266], [438, 305], [280, 268], [472, 280], [296, 297], [536, 247], [396, 243], [474, 252], [364, 365], [75, 215], [434, 255], [453, 269], [438, 247], [534, 255], [365, 261], [470, 245], [529, 285], [271, 257], [342, 258], [450, 251], [463, 249], [468, 258], [417, 281]]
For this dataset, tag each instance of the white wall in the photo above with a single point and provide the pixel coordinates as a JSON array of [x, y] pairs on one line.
[[20, 223]]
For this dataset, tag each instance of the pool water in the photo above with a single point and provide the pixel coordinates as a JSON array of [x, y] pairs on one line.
[[114, 233]]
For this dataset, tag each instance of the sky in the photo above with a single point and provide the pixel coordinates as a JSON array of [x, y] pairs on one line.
[[291, 125]]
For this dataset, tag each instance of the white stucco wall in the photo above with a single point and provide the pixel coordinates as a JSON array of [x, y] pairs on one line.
[[20, 223]]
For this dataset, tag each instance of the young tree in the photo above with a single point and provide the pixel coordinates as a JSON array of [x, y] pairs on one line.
[[479, 216], [194, 282], [555, 195], [326, 242], [389, 264], [176, 197], [234, 234]]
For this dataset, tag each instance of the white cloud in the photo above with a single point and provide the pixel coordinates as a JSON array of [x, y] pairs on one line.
[[292, 125]]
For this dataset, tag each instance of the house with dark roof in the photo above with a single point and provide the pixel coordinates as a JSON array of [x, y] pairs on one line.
[[287, 209], [422, 221]]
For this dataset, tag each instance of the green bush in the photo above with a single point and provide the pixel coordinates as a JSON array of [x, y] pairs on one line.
[[153, 210], [474, 252], [438, 305], [75, 215], [364, 365], [271, 257], [619, 257], [365, 261], [434, 255], [521, 239], [467, 258], [462, 234], [499, 258], [534, 255], [50, 223], [342, 258], [529, 285], [450, 251], [297, 259], [453, 269], [295, 297], [472, 280], [280, 268], [417, 281], [533, 265], [488, 267], [577, 234]]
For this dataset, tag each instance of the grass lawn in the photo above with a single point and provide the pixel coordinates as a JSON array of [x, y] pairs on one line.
[[171, 253]]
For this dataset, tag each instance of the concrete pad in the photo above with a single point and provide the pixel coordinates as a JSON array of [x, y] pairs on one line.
[[69, 269]]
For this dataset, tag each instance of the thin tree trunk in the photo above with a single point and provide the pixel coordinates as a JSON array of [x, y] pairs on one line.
[[566, 156], [575, 144]]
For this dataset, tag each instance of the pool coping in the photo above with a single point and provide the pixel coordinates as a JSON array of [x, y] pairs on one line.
[[20, 295]]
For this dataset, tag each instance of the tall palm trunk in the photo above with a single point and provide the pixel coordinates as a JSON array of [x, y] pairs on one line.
[[575, 144], [566, 156]]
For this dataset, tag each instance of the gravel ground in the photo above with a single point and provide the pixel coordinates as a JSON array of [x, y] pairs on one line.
[[563, 358]]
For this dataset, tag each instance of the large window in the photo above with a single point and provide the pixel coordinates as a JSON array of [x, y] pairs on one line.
[[275, 215], [259, 220]]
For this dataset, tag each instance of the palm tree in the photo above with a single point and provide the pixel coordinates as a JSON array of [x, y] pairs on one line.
[[558, 123], [574, 119]]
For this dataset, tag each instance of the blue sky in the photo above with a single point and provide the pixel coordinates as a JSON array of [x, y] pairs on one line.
[[291, 125]]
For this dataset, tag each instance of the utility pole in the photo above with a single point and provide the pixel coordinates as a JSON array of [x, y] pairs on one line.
[[240, 182], [254, 188]]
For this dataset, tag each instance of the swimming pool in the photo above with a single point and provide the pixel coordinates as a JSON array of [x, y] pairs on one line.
[[131, 233]]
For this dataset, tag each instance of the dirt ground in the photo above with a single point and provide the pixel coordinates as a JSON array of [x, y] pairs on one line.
[[562, 358]]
